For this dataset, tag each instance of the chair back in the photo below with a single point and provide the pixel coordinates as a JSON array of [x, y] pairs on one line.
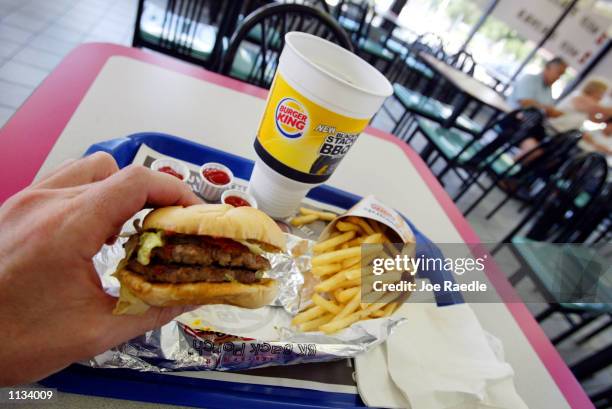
[[511, 130], [562, 203], [186, 29], [600, 209], [353, 17], [429, 43], [547, 157], [463, 61], [260, 53], [401, 69]]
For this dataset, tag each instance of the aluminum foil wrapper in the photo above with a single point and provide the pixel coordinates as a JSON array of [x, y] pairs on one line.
[[227, 338]]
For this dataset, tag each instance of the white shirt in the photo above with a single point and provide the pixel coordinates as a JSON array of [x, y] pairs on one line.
[[530, 86], [571, 118]]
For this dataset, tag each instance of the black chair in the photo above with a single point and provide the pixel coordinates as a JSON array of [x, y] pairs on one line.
[[567, 275], [493, 155], [463, 61], [372, 47], [190, 30], [588, 223], [352, 16], [411, 71], [595, 362], [559, 204], [256, 63], [535, 166]]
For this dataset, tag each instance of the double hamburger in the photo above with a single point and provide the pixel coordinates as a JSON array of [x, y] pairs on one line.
[[196, 255]]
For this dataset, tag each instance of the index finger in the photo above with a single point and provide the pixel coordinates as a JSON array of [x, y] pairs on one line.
[[89, 169], [111, 202]]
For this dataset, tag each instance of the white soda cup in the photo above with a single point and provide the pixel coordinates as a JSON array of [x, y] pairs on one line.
[[322, 97]]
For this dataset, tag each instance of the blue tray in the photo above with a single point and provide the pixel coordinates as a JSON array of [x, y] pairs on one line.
[[152, 387]]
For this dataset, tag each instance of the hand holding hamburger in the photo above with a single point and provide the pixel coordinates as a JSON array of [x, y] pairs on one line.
[[196, 255]]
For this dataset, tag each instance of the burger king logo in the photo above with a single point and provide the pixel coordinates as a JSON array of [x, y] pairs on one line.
[[291, 118]]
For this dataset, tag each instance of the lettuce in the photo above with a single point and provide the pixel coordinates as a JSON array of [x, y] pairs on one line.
[[148, 241], [253, 247]]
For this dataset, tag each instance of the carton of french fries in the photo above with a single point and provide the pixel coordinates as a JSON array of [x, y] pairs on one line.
[[341, 263]]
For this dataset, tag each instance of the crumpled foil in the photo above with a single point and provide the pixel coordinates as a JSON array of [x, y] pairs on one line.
[[228, 338]]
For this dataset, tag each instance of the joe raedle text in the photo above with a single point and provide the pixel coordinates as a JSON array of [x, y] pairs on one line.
[[412, 286], [396, 274]]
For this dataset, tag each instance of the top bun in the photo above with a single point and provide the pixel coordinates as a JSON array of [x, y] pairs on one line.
[[218, 220]]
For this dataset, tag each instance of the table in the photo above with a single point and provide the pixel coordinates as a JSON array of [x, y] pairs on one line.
[[102, 91], [469, 88]]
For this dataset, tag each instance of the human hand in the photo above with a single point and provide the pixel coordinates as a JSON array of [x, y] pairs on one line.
[[53, 309]]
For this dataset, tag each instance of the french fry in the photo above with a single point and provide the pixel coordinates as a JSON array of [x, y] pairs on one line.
[[347, 294], [316, 323], [353, 273], [326, 304], [349, 307], [374, 238], [345, 226], [346, 284], [338, 261], [361, 223], [301, 220], [327, 216], [335, 256], [389, 308], [350, 262], [334, 326], [356, 241], [329, 283], [381, 302], [337, 293], [388, 277], [333, 242], [308, 315], [326, 269]]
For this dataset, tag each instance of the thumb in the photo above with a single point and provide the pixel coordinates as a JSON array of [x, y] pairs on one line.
[[121, 328]]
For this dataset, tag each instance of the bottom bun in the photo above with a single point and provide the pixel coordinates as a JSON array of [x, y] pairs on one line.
[[199, 293]]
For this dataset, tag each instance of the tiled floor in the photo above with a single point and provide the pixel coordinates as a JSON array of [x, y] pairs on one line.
[[36, 34]]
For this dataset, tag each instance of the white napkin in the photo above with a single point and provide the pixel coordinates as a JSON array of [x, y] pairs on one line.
[[441, 358]]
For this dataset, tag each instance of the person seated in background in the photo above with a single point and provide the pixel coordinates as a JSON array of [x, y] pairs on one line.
[[534, 90], [581, 105], [598, 141]]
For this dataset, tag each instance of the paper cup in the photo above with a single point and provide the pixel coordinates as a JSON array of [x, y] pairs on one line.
[[322, 97]]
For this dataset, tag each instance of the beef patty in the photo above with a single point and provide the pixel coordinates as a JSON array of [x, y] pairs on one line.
[[206, 255], [176, 273], [187, 258]]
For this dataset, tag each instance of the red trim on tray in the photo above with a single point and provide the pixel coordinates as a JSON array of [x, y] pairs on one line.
[[27, 139]]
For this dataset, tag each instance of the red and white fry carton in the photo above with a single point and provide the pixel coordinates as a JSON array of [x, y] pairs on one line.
[[371, 208]]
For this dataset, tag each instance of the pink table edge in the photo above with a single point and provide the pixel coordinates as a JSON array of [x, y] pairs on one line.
[[29, 135]]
